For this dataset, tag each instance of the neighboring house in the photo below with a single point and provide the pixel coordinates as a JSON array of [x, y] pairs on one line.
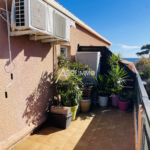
[[33, 62]]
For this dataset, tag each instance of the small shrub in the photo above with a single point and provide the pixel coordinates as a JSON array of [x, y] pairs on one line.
[[147, 71], [141, 64]]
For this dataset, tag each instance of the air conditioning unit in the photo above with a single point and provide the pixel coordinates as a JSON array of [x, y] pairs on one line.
[[32, 15], [50, 19], [68, 24], [61, 26]]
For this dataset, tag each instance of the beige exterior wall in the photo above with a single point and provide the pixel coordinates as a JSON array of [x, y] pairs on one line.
[[30, 93]]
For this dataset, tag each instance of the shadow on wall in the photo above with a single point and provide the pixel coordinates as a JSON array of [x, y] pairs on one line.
[[22, 43], [39, 102]]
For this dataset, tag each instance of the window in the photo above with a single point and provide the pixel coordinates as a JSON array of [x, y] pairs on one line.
[[63, 50]]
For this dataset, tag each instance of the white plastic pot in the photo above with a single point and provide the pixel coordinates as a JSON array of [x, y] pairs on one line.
[[103, 100]]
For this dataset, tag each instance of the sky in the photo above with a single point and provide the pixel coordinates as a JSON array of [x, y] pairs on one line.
[[125, 23]]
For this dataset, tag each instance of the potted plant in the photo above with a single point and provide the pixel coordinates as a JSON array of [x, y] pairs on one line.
[[70, 93], [70, 90], [117, 75], [86, 96], [87, 89], [103, 89], [125, 99]]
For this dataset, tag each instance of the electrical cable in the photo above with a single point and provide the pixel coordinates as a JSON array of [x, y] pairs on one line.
[[8, 28], [4, 18]]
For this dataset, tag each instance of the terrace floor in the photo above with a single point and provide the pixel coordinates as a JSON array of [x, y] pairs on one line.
[[100, 129]]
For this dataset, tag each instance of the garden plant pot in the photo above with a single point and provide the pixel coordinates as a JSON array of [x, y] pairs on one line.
[[85, 104], [115, 100], [123, 106], [74, 111], [59, 120], [103, 100]]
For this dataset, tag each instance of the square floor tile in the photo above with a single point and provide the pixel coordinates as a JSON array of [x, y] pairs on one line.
[[69, 146], [64, 138], [41, 139], [50, 141], [73, 140], [68, 133], [44, 147], [33, 146], [59, 143], [77, 135]]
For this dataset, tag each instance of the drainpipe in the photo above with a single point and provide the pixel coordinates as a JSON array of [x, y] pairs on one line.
[[8, 29]]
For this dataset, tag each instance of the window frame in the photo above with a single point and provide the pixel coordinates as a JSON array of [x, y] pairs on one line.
[[66, 49]]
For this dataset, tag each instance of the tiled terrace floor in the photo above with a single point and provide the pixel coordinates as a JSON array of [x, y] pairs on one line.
[[100, 129]]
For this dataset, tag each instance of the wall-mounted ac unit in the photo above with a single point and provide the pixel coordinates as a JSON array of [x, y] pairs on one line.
[[62, 26], [31, 15], [50, 19], [59, 25]]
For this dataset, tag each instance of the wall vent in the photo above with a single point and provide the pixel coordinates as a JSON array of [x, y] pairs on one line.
[[20, 10]]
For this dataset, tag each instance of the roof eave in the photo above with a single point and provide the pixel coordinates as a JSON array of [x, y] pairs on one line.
[[77, 20]]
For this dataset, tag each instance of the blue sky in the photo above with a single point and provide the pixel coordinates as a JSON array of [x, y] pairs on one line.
[[125, 23]]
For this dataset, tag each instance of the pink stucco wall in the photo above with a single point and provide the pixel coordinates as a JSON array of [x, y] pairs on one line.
[[83, 37], [30, 93]]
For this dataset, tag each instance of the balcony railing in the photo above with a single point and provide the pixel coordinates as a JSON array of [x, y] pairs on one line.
[[142, 116]]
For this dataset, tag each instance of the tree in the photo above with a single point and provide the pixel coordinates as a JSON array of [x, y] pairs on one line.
[[146, 50], [141, 64]]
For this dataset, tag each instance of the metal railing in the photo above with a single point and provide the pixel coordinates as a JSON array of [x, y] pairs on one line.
[[142, 99]]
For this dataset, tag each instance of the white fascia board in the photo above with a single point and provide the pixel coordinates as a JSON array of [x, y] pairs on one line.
[[77, 20]]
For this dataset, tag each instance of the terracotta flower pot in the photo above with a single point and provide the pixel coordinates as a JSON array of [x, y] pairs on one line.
[[123, 105], [85, 104]]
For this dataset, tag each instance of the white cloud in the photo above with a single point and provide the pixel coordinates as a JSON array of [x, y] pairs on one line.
[[128, 47]]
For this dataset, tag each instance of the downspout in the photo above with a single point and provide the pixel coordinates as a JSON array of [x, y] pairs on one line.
[[8, 28]]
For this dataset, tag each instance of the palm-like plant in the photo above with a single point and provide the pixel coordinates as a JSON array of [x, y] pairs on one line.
[[146, 50], [117, 75], [114, 59]]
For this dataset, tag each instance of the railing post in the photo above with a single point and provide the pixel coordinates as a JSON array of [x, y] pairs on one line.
[[140, 124]]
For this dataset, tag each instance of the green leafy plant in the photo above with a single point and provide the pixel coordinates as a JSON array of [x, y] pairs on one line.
[[127, 96], [88, 85], [141, 64], [70, 90], [147, 71], [63, 61], [114, 59], [79, 67], [117, 74], [103, 85]]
